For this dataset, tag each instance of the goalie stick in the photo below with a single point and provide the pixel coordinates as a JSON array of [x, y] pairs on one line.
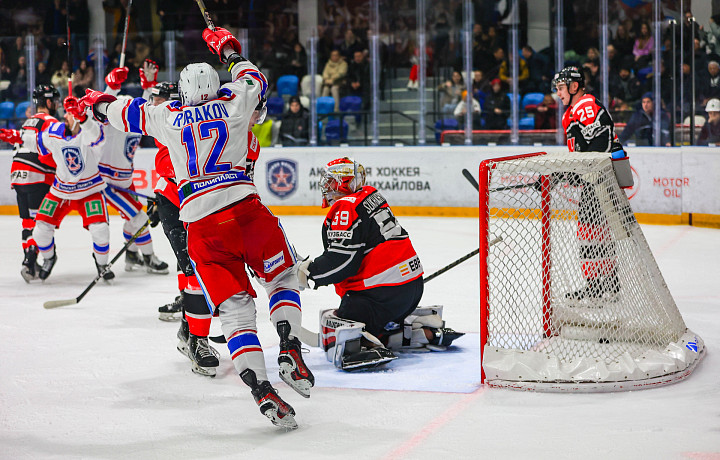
[[121, 63], [61, 303], [468, 175]]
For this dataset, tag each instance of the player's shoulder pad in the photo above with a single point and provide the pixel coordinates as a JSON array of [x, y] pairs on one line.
[[587, 100], [34, 124]]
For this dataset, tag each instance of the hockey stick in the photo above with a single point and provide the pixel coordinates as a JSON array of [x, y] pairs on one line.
[[67, 27], [121, 63], [132, 192], [459, 261], [61, 303], [205, 14], [474, 183]]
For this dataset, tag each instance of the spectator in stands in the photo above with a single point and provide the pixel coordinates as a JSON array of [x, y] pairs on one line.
[[350, 45], [545, 113], [60, 79], [334, 76], [18, 85], [460, 112], [359, 78], [479, 85], [492, 68], [641, 124], [623, 41], [710, 132], [538, 69], [592, 77], [83, 78], [497, 107], [644, 46], [624, 87], [295, 124], [441, 39], [614, 59], [298, 61], [14, 52], [451, 91], [709, 84], [42, 75], [505, 72]]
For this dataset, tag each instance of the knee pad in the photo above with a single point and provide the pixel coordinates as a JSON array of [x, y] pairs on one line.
[[43, 235], [341, 337], [133, 224], [237, 313], [285, 280], [100, 233]]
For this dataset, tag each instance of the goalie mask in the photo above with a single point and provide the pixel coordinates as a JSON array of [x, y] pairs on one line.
[[339, 178], [198, 84]]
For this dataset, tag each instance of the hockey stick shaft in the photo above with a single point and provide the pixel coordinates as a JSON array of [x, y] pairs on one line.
[[474, 183], [132, 192], [205, 15], [61, 303], [125, 34], [69, 57], [459, 261]]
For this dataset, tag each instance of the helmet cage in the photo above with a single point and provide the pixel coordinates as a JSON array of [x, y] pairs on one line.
[[339, 178]]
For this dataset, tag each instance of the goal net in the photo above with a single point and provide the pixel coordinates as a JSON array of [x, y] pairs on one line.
[[571, 296]]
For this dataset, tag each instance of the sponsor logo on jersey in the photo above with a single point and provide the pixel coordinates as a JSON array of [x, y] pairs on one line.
[[131, 144], [73, 160], [409, 267], [274, 262], [282, 177], [339, 234]]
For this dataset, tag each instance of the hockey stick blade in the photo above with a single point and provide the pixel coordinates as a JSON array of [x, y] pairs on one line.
[[59, 303], [470, 179], [218, 338]]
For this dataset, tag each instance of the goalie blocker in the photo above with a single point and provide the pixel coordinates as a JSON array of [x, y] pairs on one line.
[[342, 339]]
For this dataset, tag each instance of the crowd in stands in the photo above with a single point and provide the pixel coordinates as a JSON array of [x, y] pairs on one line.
[[343, 57]]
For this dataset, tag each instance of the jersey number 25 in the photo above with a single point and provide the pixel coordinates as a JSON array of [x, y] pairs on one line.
[[199, 150]]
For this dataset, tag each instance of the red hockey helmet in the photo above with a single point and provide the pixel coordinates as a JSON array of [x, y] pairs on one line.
[[340, 177]]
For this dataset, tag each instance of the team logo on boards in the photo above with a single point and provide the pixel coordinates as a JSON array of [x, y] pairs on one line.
[[73, 160], [282, 177], [131, 144]]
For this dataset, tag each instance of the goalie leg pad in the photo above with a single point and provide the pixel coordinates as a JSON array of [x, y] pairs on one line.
[[342, 341]]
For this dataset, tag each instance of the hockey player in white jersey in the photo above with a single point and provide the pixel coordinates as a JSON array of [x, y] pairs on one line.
[[77, 186], [117, 156], [228, 227]]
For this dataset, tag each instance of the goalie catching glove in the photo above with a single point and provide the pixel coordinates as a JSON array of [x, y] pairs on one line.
[[218, 39]]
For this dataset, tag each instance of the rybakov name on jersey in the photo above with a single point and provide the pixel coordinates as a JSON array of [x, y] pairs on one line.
[[205, 112]]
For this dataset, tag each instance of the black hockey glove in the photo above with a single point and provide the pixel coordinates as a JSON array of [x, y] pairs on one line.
[[152, 212]]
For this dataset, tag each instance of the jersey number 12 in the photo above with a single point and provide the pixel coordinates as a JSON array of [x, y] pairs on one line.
[[211, 130]]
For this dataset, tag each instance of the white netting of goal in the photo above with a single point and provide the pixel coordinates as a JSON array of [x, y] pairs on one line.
[[571, 296]]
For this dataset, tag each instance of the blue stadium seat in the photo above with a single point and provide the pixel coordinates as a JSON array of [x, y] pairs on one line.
[[524, 122], [7, 109], [325, 104], [287, 85], [443, 125], [351, 104], [531, 99], [21, 108], [275, 105], [334, 131]]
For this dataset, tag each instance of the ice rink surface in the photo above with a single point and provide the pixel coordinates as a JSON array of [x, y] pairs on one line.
[[103, 380]]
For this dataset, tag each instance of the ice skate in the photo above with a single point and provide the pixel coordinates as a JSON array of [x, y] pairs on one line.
[[183, 334], [271, 405], [443, 338], [104, 270], [596, 290], [155, 265], [173, 310], [47, 267], [133, 261], [202, 355], [366, 358], [30, 268], [293, 370]]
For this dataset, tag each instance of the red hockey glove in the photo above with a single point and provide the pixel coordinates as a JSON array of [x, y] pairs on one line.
[[116, 77], [11, 136], [73, 106], [148, 74], [93, 98], [220, 38]]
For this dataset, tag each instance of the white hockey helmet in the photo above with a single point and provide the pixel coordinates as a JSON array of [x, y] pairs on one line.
[[340, 177], [713, 105], [198, 83]]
